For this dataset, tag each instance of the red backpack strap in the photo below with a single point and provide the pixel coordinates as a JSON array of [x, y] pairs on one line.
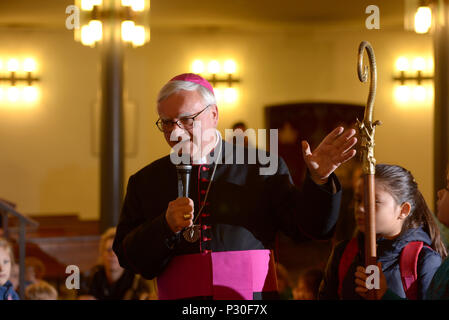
[[346, 260], [408, 264]]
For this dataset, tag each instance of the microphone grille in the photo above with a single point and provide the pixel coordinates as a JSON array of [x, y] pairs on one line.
[[184, 167]]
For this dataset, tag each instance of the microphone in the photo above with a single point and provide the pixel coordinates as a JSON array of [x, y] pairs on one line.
[[183, 171]]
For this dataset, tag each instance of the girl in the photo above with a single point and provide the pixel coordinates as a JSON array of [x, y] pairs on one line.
[[6, 261], [108, 280], [439, 286], [402, 221]]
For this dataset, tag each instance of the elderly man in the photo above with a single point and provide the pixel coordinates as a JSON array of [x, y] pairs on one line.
[[217, 242]]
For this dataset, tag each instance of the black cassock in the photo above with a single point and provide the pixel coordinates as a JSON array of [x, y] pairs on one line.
[[244, 211]]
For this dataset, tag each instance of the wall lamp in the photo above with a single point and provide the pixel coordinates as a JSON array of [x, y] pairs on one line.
[[222, 77], [418, 67], [17, 79], [423, 18], [132, 16], [412, 78]]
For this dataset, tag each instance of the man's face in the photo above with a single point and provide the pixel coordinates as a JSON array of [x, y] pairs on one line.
[[186, 104]]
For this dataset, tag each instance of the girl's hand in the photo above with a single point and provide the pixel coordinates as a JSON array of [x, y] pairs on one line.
[[360, 281]]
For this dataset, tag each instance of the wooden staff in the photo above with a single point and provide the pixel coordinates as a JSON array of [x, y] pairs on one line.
[[367, 130]]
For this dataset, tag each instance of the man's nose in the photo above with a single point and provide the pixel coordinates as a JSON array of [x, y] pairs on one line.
[[176, 133], [440, 193]]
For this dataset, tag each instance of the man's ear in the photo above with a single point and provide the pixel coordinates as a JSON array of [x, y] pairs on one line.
[[406, 208], [214, 112]]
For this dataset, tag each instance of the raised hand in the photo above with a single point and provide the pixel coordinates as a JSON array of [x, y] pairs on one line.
[[332, 152]]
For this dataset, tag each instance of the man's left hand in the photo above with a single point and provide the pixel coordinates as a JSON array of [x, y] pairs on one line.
[[332, 152]]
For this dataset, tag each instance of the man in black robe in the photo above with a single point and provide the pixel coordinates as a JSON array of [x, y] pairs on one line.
[[236, 208]]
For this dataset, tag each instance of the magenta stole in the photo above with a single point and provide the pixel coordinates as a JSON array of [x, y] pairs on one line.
[[227, 275]]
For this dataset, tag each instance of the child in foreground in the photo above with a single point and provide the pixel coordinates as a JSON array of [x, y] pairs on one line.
[[6, 261], [439, 286], [404, 227]]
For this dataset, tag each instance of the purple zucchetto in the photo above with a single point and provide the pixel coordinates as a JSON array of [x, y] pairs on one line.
[[192, 77]]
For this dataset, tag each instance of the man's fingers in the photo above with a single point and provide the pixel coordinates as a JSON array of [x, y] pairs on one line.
[[183, 210], [187, 216], [344, 137], [346, 153], [307, 153], [331, 137], [306, 149], [348, 145], [186, 223], [180, 213], [183, 204], [184, 201], [347, 156], [183, 222]]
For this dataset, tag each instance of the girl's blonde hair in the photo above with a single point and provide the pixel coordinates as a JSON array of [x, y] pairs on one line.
[[108, 234], [41, 290]]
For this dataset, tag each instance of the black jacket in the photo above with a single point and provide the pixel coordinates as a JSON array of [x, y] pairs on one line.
[[246, 211], [101, 289], [388, 253]]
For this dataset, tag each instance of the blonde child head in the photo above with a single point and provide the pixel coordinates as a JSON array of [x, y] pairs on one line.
[[41, 290], [6, 260]]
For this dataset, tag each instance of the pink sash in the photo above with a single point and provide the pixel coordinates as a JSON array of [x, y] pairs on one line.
[[229, 275]]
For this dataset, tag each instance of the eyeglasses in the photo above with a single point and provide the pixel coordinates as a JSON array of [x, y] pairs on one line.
[[184, 123]]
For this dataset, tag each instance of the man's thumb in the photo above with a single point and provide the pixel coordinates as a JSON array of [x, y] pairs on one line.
[[305, 149]]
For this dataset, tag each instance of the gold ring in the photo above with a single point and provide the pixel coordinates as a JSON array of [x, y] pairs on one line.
[[186, 216]]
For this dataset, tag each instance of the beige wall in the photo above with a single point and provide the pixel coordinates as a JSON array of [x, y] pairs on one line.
[[47, 165]]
